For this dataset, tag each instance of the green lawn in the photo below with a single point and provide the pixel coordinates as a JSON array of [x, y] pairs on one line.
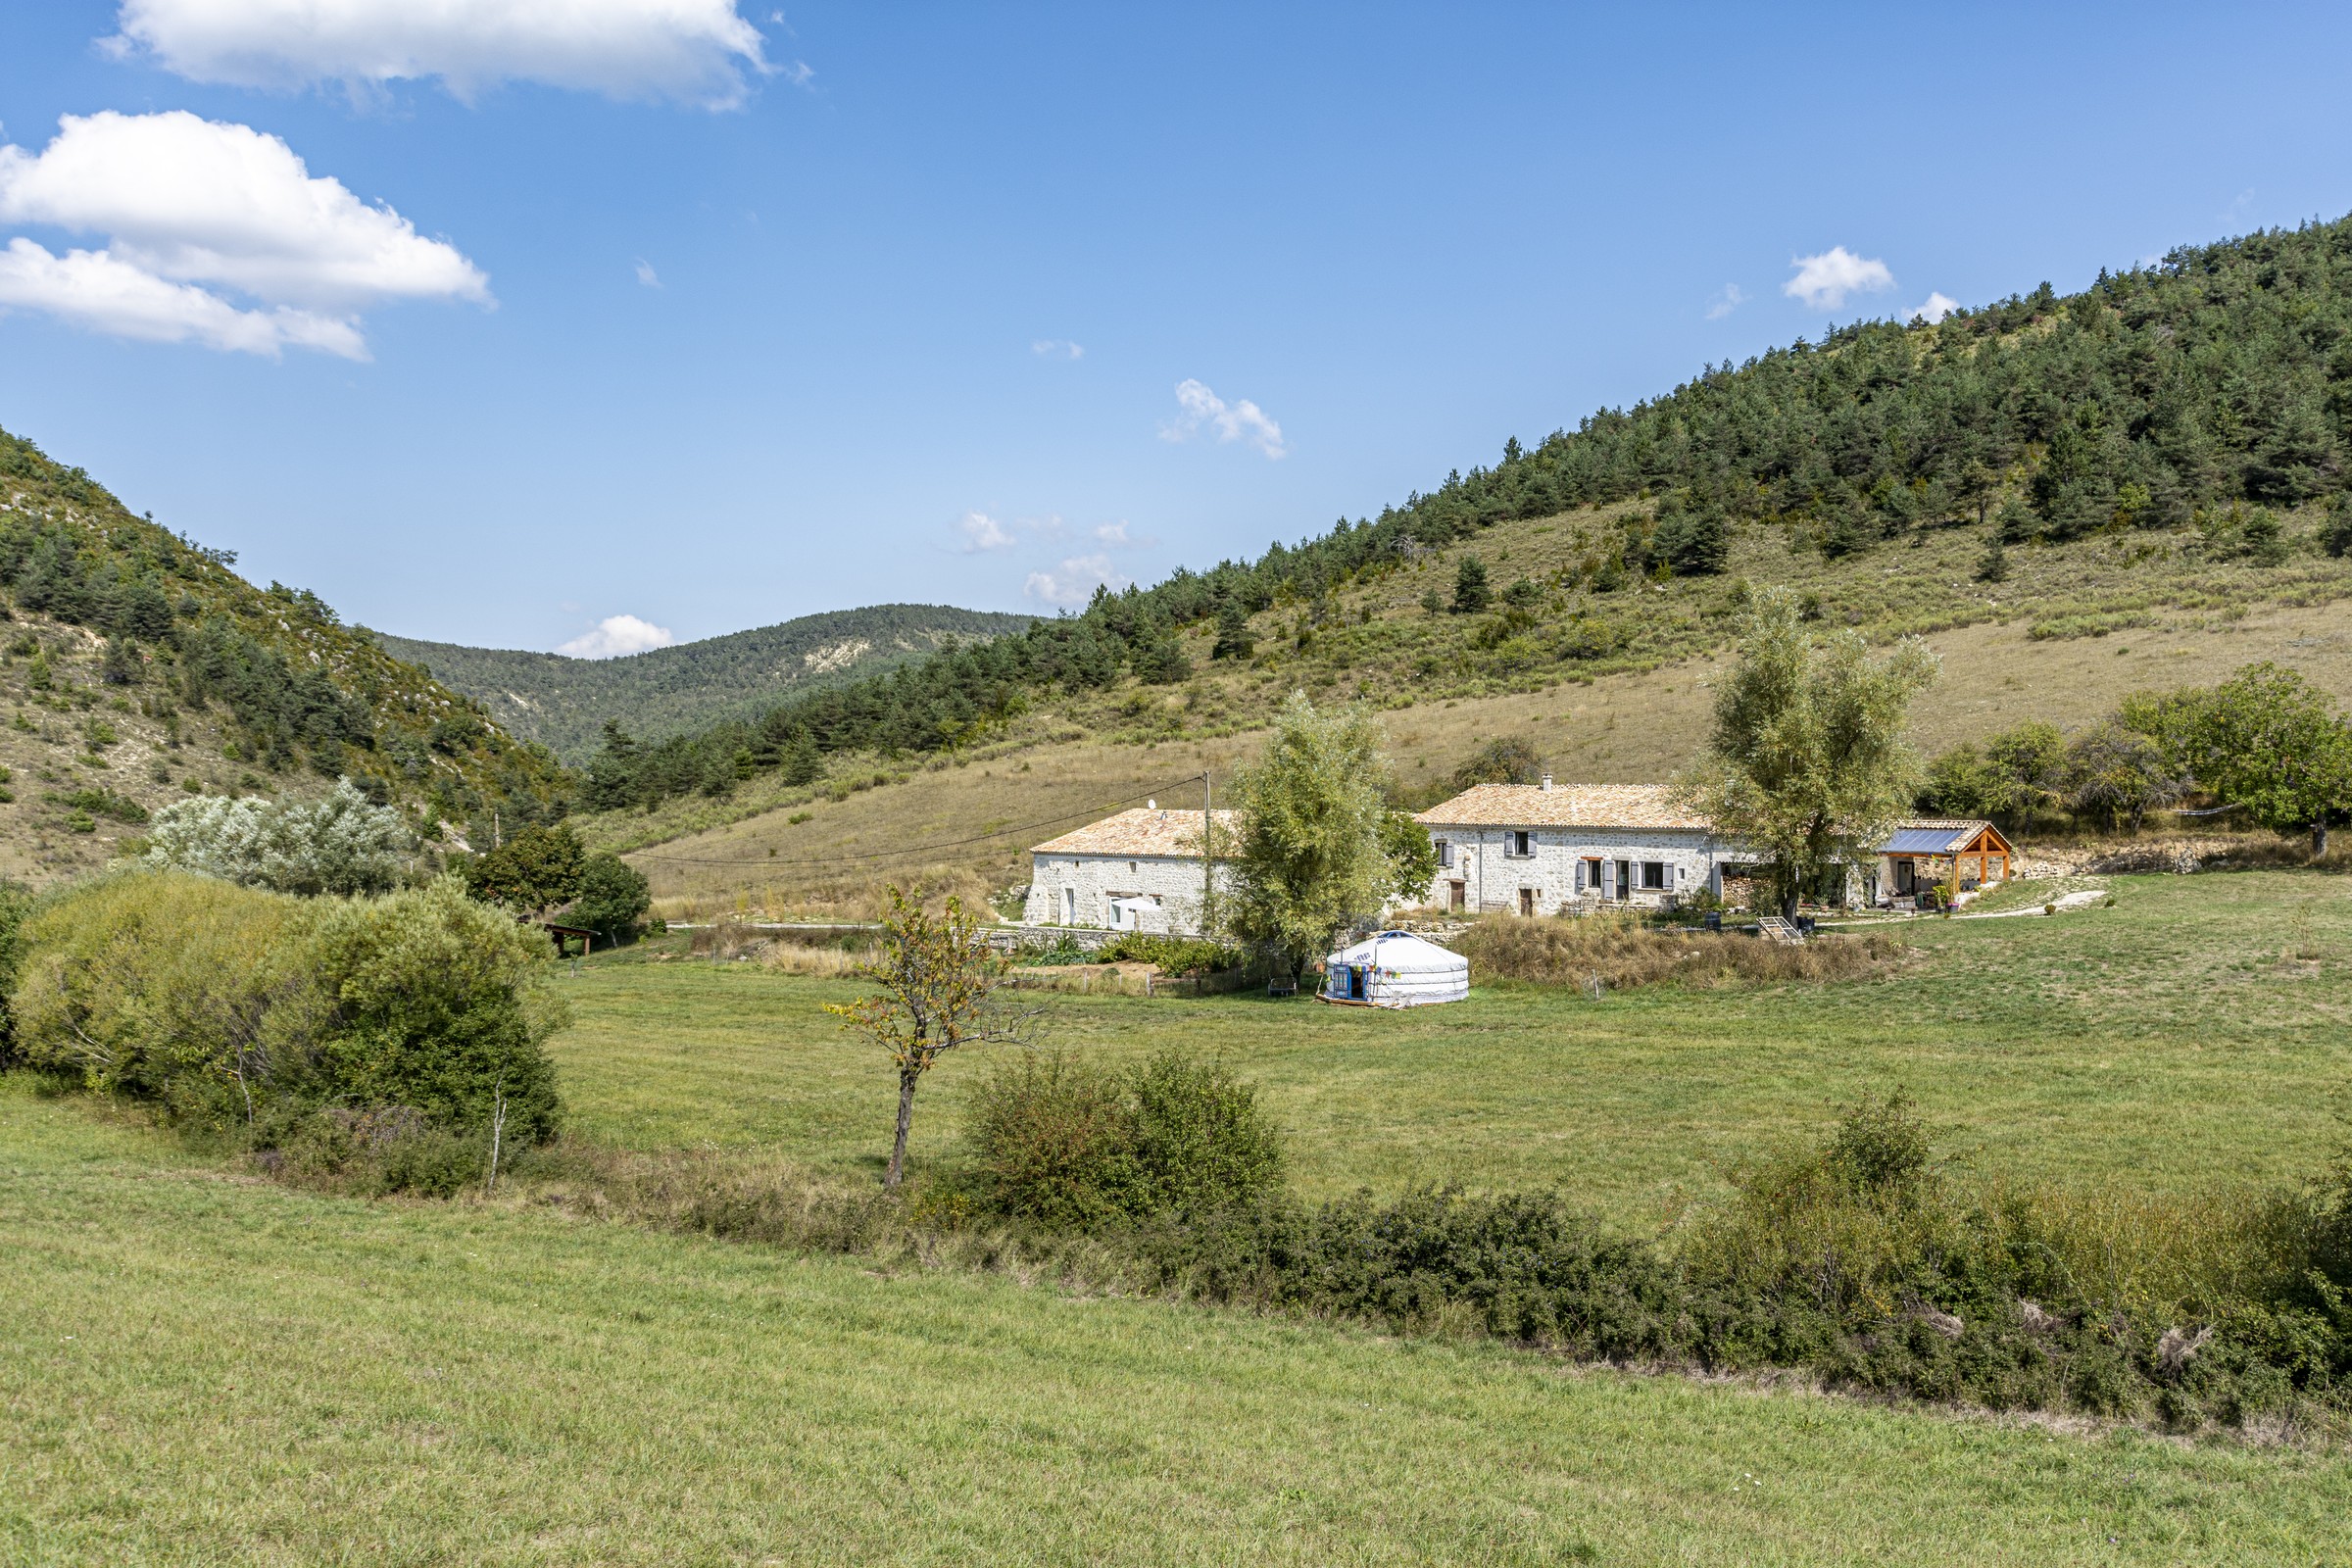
[[198, 1369], [2180, 1039]]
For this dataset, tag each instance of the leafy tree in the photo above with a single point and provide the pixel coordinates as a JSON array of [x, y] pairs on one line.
[[2335, 534], [2266, 740], [1807, 763], [2119, 775], [613, 898], [120, 665], [1994, 564], [1471, 593], [1411, 856], [1313, 838], [1433, 602], [338, 846], [1161, 661], [1504, 759], [933, 980], [536, 869]]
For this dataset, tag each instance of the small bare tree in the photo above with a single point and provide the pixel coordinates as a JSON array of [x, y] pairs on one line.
[[934, 979]]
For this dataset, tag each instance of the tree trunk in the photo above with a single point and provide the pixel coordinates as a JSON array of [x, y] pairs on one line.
[[2318, 838], [1788, 896], [898, 1146]]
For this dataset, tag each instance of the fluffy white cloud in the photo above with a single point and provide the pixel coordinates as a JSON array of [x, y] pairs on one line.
[[190, 207], [982, 532], [1202, 409], [94, 290], [1058, 348], [695, 51], [615, 635], [1938, 306], [646, 274], [1729, 299], [1075, 580], [1823, 281]]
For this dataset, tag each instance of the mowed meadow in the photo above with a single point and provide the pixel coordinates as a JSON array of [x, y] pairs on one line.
[[201, 1366], [2196, 1033]]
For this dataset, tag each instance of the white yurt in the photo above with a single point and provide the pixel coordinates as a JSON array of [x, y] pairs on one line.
[[1395, 969]]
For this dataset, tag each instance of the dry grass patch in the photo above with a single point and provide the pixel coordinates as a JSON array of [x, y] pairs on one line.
[[1623, 952]]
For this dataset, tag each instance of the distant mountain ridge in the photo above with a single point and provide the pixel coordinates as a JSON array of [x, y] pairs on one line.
[[563, 703]]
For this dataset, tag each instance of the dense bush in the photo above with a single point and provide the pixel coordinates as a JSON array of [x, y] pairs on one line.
[[1854, 1256], [237, 1008], [1066, 1141], [1623, 952], [340, 845]]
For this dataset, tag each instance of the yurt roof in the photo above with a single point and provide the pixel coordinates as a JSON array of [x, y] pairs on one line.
[[1402, 952]]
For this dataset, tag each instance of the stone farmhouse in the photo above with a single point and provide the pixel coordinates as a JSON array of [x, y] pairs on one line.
[[1140, 870], [1537, 848]]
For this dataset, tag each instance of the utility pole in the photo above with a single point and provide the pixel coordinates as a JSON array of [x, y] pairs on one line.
[[1208, 856]]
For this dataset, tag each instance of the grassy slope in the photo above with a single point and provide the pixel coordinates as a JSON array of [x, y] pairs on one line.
[[563, 703], [406, 703], [196, 1370], [48, 755], [1638, 723], [2167, 1044]]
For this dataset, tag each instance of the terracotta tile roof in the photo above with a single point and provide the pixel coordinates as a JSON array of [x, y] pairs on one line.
[[1139, 831], [1637, 805]]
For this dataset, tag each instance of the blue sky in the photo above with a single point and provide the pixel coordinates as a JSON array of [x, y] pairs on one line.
[[745, 313]]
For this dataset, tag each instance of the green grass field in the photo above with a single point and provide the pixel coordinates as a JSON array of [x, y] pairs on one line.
[[2195, 1034], [198, 1366], [198, 1369]]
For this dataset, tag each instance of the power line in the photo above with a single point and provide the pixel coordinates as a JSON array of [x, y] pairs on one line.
[[908, 850]]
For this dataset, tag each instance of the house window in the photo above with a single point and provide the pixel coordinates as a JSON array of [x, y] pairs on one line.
[[1445, 854], [1587, 876], [1131, 868], [1519, 845], [1653, 873]]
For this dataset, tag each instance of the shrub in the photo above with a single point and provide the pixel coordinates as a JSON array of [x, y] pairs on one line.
[[1624, 951], [233, 1007], [438, 1007], [1069, 1143], [340, 845]]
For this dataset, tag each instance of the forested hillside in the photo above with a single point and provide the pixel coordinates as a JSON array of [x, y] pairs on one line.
[[171, 639], [566, 702], [2176, 435]]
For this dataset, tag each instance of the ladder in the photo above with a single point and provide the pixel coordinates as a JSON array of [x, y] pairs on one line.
[[1775, 929]]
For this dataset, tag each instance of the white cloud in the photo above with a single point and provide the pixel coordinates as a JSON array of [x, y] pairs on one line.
[[1244, 420], [1823, 281], [1058, 348], [1075, 580], [982, 532], [646, 274], [95, 290], [186, 203], [617, 635], [1117, 536], [695, 51], [1938, 306], [1729, 299]]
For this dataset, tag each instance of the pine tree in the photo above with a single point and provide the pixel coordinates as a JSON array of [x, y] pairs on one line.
[[1470, 591], [1994, 564], [802, 762], [1233, 632]]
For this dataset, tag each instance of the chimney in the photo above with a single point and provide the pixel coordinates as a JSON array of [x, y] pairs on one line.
[[1547, 781]]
